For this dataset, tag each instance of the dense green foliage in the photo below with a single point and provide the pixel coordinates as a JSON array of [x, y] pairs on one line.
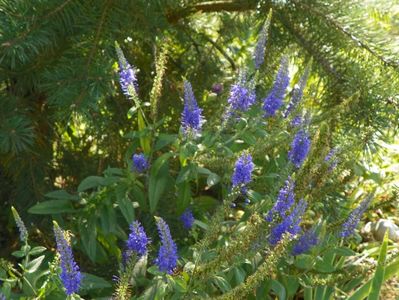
[[66, 125]]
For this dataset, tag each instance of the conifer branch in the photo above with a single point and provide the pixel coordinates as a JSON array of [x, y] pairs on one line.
[[57, 9], [93, 50], [211, 6], [98, 32], [307, 45], [35, 25], [221, 50], [332, 23]]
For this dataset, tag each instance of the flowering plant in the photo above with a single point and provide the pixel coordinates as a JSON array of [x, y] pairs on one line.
[[246, 188]]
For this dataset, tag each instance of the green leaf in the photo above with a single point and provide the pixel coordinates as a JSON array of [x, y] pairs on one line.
[[391, 270], [88, 233], [52, 207], [201, 224], [154, 270], [204, 171], [108, 218], [184, 196], [249, 138], [164, 140], [37, 250], [61, 195], [212, 179], [304, 262], [179, 285], [145, 141], [34, 265], [184, 174], [206, 203], [308, 293], [279, 289], [378, 279], [291, 285], [113, 172], [138, 195], [157, 187], [92, 282], [126, 208], [222, 283], [159, 179], [156, 291], [18, 253], [160, 161], [324, 266], [341, 251], [90, 182], [239, 275]]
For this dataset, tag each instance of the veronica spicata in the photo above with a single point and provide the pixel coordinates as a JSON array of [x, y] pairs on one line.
[[70, 275], [191, 118], [140, 163], [289, 223], [167, 254], [23, 233], [243, 168], [299, 148], [274, 100], [285, 199], [187, 219], [242, 94], [127, 74], [305, 242], [349, 226], [137, 241]]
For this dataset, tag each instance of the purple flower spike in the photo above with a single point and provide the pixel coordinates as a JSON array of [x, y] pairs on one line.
[[242, 95], [348, 228], [299, 148], [140, 163], [259, 54], [191, 118], [70, 275], [242, 174], [289, 224], [127, 74], [285, 199], [137, 241], [274, 99], [23, 232], [167, 255], [305, 242], [187, 219]]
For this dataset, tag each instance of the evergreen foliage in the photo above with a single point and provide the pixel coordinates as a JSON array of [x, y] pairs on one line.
[[58, 71]]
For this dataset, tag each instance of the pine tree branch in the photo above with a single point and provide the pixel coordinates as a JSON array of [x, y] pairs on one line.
[[221, 50], [211, 6], [332, 23], [85, 76], [213, 43], [35, 25], [307, 45], [98, 32], [57, 9]]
